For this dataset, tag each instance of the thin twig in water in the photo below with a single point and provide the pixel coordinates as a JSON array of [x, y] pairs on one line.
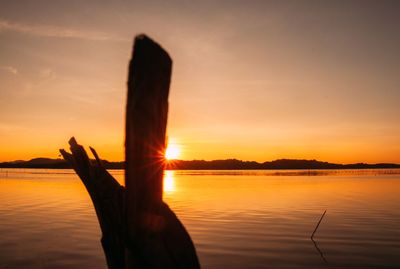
[[315, 243], [318, 224]]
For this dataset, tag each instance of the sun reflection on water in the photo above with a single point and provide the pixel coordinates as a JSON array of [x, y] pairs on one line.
[[169, 181]]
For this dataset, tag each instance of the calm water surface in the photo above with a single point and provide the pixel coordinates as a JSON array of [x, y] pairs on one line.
[[251, 219]]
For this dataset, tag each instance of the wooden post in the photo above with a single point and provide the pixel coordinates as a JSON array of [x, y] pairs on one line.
[[139, 229], [146, 121]]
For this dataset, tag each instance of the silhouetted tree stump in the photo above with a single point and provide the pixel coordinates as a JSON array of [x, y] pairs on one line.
[[139, 229]]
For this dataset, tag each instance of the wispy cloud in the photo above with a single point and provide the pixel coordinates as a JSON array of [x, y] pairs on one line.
[[9, 69], [47, 73], [56, 31]]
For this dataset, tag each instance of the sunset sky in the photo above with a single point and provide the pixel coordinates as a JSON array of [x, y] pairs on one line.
[[253, 80]]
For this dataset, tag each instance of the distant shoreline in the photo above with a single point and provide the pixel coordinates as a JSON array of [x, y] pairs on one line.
[[229, 164]]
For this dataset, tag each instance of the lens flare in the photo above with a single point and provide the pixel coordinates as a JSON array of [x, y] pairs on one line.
[[172, 152]]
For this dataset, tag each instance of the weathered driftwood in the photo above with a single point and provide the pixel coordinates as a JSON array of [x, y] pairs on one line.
[[139, 229], [108, 199]]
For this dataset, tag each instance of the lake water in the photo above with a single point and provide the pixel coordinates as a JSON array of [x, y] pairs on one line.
[[237, 219]]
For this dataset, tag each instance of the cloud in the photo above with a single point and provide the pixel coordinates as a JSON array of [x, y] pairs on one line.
[[55, 31], [4, 127], [10, 69], [47, 73]]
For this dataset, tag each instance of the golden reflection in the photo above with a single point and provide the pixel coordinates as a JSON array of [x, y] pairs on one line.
[[169, 181]]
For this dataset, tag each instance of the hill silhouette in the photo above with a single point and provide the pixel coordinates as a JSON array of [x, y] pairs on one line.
[[228, 164]]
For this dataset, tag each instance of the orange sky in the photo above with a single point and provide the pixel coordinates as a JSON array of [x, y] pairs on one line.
[[256, 80]]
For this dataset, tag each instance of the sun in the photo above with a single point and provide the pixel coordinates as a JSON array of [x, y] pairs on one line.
[[172, 152]]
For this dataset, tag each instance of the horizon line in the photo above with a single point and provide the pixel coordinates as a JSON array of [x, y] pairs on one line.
[[228, 159]]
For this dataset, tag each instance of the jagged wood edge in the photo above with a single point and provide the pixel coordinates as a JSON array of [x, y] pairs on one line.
[[108, 200]]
